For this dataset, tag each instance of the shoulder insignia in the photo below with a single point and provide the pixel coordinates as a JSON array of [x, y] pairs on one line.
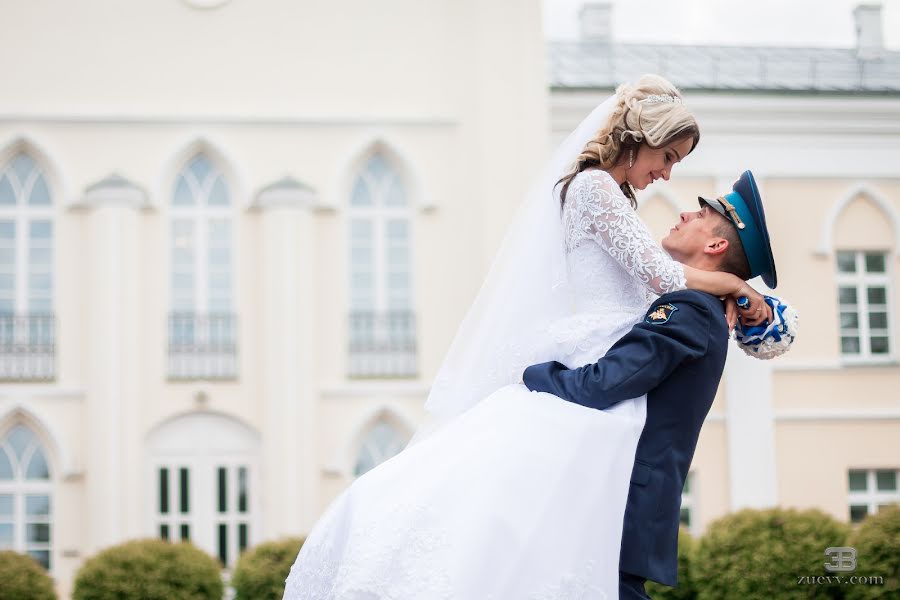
[[661, 314]]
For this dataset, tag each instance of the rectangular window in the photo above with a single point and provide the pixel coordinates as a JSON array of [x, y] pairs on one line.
[[163, 491], [864, 295], [223, 489], [184, 489], [37, 527], [242, 490], [869, 490], [223, 543], [242, 537]]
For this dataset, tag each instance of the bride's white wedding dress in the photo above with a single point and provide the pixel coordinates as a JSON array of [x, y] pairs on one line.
[[523, 495]]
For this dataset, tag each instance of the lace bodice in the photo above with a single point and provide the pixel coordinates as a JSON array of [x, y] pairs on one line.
[[613, 262]]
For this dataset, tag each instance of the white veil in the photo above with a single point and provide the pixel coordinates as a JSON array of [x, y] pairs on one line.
[[526, 288]]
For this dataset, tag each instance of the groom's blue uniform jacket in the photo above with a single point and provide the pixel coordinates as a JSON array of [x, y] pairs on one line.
[[675, 355]]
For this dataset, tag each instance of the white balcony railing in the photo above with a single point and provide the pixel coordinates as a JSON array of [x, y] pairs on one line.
[[202, 346], [27, 347], [382, 345]]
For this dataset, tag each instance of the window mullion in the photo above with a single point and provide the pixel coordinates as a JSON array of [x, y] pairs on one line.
[[201, 281], [379, 230], [864, 343], [21, 279]]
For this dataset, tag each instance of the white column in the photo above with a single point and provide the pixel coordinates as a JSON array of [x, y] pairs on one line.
[[750, 423], [749, 416], [113, 314], [290, 482]]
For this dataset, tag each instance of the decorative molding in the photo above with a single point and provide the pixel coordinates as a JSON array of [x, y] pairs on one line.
[[206, 4], [194, 145], [21, 411], [664, 193], [342, 462], [37, 391], [356, 159], [205, 120], [367, 389], [52, 168], [286, 192], [114, 190], [849, 414], [779, 135], [826, 235], [823, 414], [831, 364]]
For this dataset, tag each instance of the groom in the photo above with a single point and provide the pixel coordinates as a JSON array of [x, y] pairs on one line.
[[675, 355]]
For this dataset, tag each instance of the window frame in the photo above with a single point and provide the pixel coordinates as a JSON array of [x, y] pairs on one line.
[[193, 365], [871, 497], [19, 487], [861, 280], [22, 215]]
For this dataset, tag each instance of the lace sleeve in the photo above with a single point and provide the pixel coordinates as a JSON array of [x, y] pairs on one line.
[[597, 209]]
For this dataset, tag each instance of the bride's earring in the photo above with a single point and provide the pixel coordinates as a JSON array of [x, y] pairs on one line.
[[631, 158]]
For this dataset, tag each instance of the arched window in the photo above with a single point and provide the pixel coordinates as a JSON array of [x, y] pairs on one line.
[[27, 336], [202, 324], [864, 245], [382, 321], [380, 443], [25, 494]]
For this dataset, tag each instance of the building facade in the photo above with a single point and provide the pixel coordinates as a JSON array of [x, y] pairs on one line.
[[231, 261], [235, 239], [820, 129]]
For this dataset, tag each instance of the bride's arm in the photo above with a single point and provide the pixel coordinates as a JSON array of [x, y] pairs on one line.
[[720, 283], [596, 206]]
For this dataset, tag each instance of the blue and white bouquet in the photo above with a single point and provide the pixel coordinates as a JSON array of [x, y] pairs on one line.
[[768, 340]]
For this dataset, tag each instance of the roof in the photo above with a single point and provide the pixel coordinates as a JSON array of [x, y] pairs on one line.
[[597, 64]]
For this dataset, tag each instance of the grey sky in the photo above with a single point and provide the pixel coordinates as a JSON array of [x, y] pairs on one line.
[[742, 22]]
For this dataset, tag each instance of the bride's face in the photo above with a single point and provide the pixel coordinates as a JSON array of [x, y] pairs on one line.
[[651, 164]]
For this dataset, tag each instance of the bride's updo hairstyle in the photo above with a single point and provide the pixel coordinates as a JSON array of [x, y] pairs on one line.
[[651, 112]]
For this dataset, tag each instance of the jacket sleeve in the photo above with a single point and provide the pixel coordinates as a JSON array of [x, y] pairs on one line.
[[637, 363]]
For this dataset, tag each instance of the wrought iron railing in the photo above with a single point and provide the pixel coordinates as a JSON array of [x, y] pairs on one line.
[[382, 344], [27, 347], [202, 346]]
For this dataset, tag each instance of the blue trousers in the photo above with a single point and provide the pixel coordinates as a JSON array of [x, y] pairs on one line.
[[631, 587]]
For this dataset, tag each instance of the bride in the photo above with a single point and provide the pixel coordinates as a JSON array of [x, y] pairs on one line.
[[506, 495]]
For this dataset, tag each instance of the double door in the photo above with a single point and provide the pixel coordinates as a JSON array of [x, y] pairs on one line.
[[207, 501]]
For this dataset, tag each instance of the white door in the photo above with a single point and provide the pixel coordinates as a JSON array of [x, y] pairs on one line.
[[202, 473]]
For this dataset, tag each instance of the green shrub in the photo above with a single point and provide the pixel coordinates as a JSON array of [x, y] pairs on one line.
[[23, 578], [261, 571], [877, 543], [761, 555], [685, 590], [150, 570]]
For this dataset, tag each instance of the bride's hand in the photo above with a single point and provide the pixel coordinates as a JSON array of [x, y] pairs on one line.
[[758, 311], [731, 312]]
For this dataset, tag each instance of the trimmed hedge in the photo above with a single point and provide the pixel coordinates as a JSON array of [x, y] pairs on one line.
[[685, 590], [260, 572], [23, 578], [761, 554], [877, 543], [150, 570]]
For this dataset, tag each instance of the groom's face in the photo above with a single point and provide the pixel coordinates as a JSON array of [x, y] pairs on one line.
[[694, 234]]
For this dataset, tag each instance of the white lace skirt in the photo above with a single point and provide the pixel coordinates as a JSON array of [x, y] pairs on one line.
[[522, 497]]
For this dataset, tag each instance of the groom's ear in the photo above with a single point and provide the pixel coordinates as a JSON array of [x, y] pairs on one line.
[[716, 246]]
